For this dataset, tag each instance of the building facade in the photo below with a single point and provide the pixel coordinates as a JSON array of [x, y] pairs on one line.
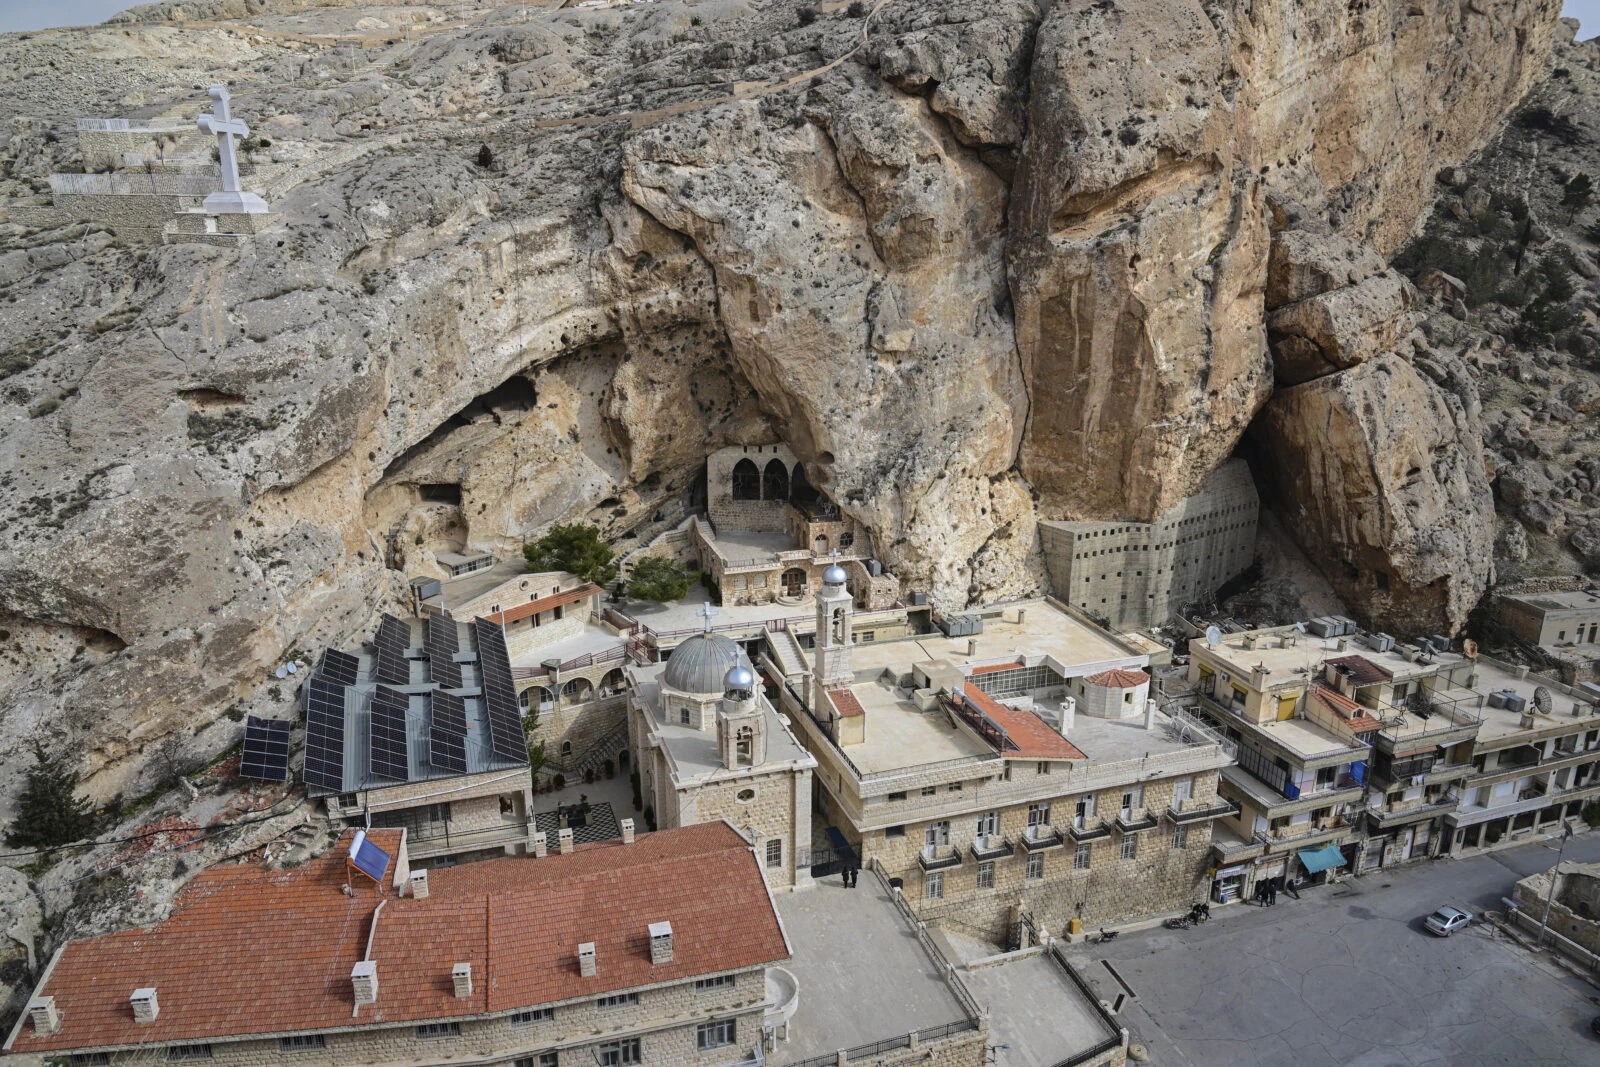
[[1135, 574], [637, 965]]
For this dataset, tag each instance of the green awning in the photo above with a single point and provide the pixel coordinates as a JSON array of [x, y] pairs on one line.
[[1326, 858]]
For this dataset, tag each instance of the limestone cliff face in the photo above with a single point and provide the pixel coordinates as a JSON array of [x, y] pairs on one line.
[[1001, 261]]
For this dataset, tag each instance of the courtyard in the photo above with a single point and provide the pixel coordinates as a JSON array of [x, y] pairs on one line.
[[1347, 975]]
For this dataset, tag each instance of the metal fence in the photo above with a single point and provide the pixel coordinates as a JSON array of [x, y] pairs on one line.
[[1093, 998]]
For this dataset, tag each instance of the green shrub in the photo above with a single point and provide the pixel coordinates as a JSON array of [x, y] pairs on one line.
[[658, 579], [49, 811], [575, 548]]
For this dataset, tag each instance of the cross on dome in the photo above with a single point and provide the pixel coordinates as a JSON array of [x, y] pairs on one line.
[[706, 613]]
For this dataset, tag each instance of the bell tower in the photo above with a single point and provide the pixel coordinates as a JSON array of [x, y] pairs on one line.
[[834, 609], [741, 726]]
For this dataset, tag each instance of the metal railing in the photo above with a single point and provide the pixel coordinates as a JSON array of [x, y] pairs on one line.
[[1093, 998]]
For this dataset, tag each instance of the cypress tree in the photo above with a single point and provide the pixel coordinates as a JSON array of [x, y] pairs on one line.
[[49, 812]]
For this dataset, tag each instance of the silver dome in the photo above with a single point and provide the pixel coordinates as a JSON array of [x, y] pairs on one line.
[[739, 679], [834, 575], [700, 664]]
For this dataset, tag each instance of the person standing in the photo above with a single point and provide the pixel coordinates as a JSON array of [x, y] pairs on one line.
[[1272, 892]]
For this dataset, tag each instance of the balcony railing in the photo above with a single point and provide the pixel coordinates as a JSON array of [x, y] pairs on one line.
[[991, 846], [1411, 811], [1218, 809], [938, 857], [1134, 822], [1041, 836]]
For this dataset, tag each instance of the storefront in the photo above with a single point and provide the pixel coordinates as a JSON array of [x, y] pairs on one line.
[[1322, 864], [1227, 884]]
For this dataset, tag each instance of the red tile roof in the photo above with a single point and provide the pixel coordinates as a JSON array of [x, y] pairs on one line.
[[1348, 709], [543, 604], [845, 703], [993, 667], [1362, 670], [1119, 679], [1031, 736], [252, 951]]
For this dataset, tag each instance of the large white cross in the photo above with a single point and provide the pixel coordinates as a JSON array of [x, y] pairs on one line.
[[232, 200], [706, 613]]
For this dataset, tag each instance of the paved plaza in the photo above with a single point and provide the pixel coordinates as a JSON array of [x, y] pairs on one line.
[[1347, 975]]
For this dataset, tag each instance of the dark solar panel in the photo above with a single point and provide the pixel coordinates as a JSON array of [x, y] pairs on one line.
[[447, 751], [443, 643], [389, 734], [370, 860], [266, 750], [449, 713], [324, 734], [394, 637], [500, 693], [340, 667]]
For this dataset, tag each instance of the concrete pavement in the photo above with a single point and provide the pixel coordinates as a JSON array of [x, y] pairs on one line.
[[1347, 975]]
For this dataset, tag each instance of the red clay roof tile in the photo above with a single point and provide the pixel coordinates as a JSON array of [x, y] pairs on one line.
[[543, 604], [1119, 679], [1030, 735], [845, 703]]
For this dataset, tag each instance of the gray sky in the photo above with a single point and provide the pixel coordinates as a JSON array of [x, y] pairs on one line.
[[39, 14]]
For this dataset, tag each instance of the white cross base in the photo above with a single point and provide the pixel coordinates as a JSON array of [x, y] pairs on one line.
[[231, 200]]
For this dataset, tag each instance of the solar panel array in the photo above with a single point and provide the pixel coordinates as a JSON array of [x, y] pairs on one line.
[[389, 707], [325, 733], [449, 712], [447, 751], [340, 667], [500, 693], [266, 750], [443, 643], [394, 637]]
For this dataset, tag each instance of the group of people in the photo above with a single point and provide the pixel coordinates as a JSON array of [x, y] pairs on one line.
[[1267, 890], [575, 816], [851, 872]]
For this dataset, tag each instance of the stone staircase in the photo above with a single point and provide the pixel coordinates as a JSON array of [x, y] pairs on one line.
[[790, 656], [595, 759]]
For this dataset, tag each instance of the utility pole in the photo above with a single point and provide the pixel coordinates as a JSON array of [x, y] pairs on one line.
[[1566, 835]]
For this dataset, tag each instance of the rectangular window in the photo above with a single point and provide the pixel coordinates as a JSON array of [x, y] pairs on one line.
[[953, 787], [933, 885], [532, 1015], [1132, 800], [1130, 846], [188, 1052], [717, 1034], [1083, 812], [1326, 777], [683, 715], [90, 1059], [775, 852], [301, 1042], [1080, 857], [989, 824], [937, 833], [896, 796], [1180, 837], [617, 1000], [722, 981], [439, 812], [439, 1030], [543, 1059], [986, 874], [1038, 814], [1182, 789], [1042, 767], [929, 790], [619, 1053], [894, 831], [1035, 868]]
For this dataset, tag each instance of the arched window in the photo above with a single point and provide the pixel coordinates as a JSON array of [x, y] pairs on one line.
[[801, 495], [746, 481], [566, 748], [847, 539], [838, 625], [775, 481], [613, 683], [537, 696], [821, 547], [577, 691], [744, 745], [794, 581]]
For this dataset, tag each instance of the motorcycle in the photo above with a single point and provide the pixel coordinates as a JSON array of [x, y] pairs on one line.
[[1180, 922], [1106, 935]]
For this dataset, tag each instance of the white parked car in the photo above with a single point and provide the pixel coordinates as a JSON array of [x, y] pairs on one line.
[[1447, 920]]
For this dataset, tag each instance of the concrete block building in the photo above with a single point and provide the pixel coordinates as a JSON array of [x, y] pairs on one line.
[[1555, 620], [1021, 778], [1135, 574], [611, 954]]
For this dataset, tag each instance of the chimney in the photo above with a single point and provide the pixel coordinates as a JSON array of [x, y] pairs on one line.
[[627, 831], [660, 943], [145, 1008], [1149, 714], [419, 885], [461, 975], [541, 848], [564, 840], [1250, 641], [1022, 614], [1342, 644], [586, 959], [972, 646], [364, 982], [1069, 713], [46, 1019]]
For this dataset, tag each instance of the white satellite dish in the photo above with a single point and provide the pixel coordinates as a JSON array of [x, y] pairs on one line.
[[1301, 627], [281, 672], [1213, 636], [1542, 700], [290, 667]]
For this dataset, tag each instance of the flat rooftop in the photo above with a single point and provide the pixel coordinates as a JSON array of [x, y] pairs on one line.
[[1576, 600], [740, 546], [592, 639], [1500, 723], [694, 752], [457, 591], [1037, 1010], [863, 976], [901, 735]]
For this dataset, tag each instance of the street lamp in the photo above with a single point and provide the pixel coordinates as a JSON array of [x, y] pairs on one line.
[[1566, 835]]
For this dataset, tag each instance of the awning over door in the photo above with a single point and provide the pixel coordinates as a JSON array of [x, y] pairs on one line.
[[1326, 858]]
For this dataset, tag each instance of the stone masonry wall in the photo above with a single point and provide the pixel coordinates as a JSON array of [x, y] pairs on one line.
[[780, 808], [766, 516], [583, 726]]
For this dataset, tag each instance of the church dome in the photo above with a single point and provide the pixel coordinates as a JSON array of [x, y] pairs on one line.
[[834, 575], [700, 664], [740, 679]]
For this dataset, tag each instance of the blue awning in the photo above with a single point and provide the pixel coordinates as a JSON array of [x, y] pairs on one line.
[[1326, 858]]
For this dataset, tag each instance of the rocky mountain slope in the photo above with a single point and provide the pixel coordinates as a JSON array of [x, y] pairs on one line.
[[977, 263]]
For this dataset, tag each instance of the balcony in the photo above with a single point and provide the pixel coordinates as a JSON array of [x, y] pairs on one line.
[[1200, 810], [1134, 822], [1392, 815], [1288, 838], [1038, 838], [938, 857], [991, 847], [1088, 831]]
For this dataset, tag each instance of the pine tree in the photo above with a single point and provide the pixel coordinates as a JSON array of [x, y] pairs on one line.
[[1576, 195], [576, 549], [49, 812]]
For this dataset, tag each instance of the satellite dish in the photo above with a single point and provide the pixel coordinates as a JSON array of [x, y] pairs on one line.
[[290, 667], [1541, 699], [1301, 627], [1213, 636], [1469, 648], [281, 672]]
